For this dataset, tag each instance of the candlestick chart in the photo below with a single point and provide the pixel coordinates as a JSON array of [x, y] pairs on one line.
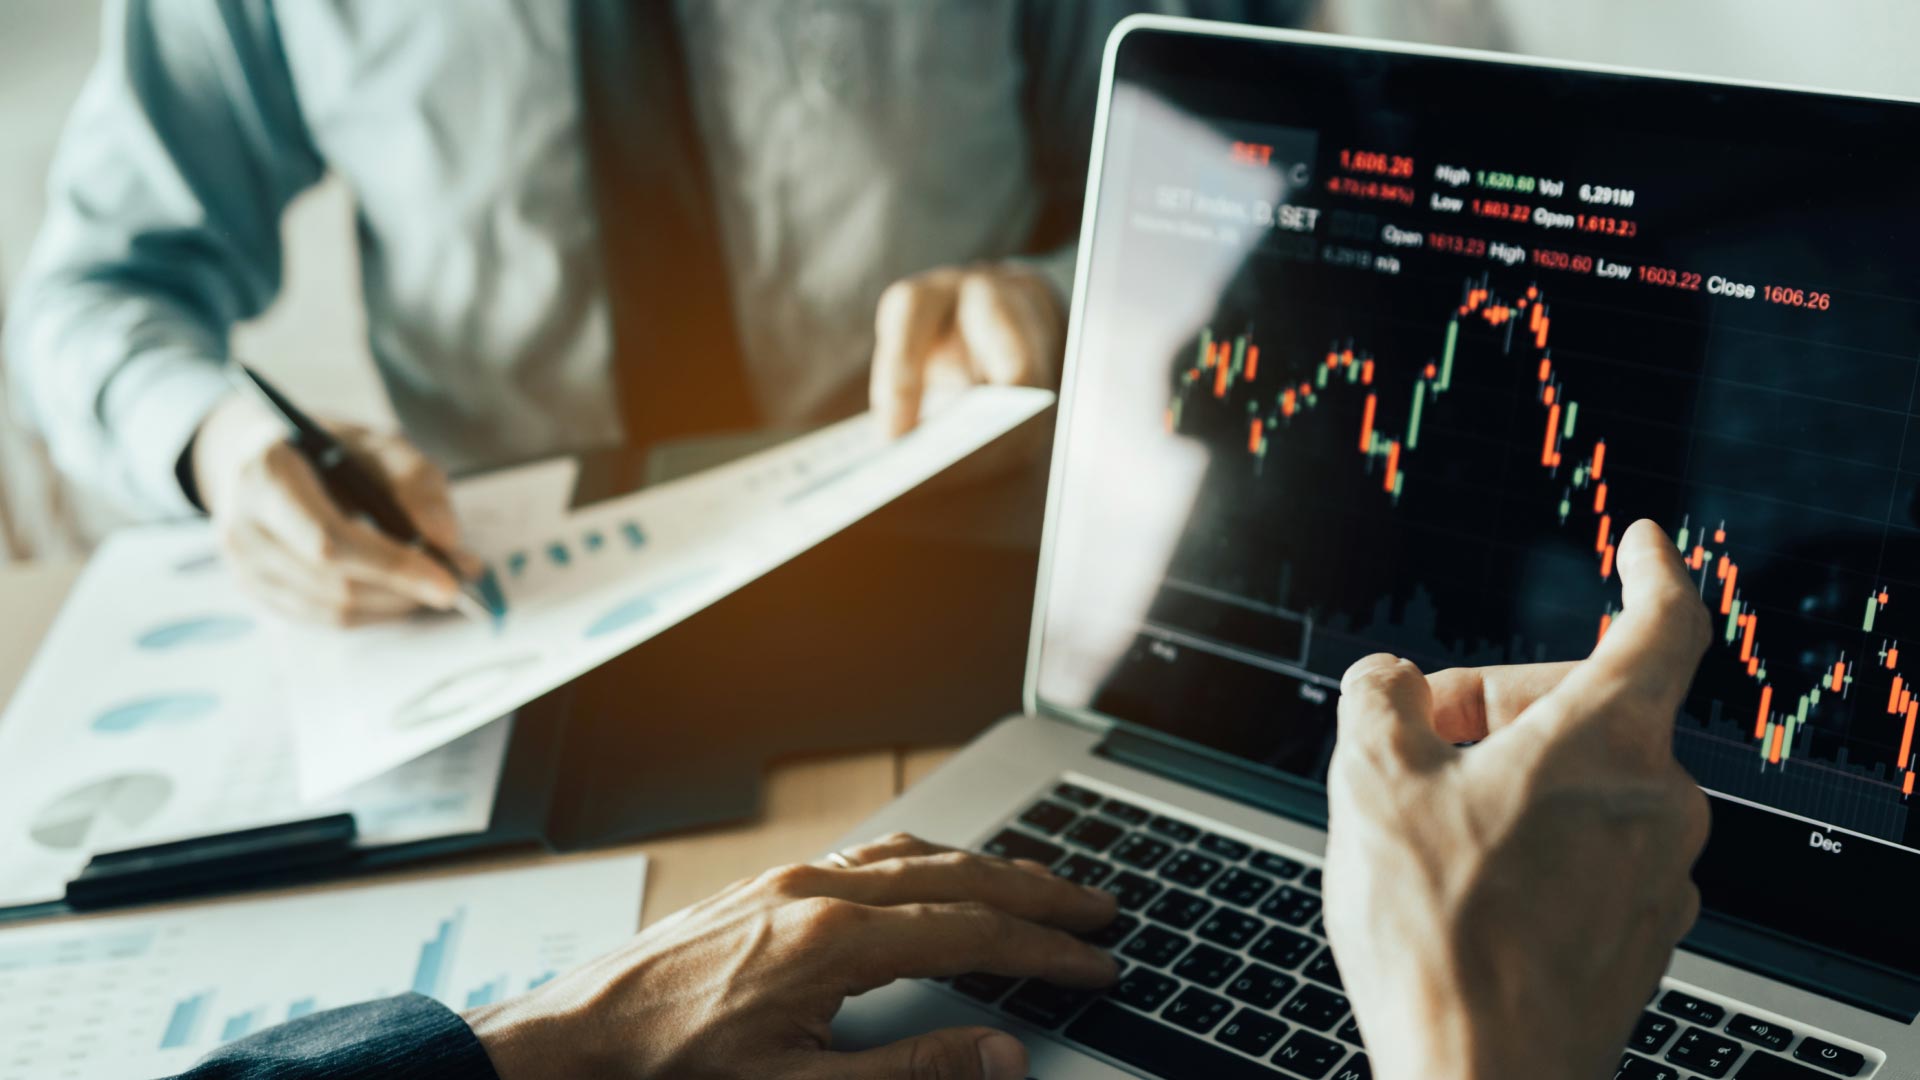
[[1797, 706]]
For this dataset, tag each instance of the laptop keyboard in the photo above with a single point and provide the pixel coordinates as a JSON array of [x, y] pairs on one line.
[[1226, 972]]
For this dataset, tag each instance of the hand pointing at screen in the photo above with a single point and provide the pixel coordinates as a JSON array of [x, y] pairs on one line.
[[1504, 910]]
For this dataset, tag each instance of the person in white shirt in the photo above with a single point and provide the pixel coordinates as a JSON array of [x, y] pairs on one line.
[[918, 166]]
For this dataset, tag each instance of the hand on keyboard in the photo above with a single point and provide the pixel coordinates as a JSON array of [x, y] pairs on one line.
[[746, 983], [1504, 910]]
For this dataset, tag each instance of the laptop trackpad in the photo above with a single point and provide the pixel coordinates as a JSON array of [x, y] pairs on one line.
[[909, 1008]]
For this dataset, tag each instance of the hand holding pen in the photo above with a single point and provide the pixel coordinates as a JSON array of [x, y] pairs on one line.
[[333, 523]]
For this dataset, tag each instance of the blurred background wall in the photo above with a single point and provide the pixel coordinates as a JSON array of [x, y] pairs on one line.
[[313, 342]]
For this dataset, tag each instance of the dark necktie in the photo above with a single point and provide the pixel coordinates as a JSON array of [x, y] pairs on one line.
[[677, 360]]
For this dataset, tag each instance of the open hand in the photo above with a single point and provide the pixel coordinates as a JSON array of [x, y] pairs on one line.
[[954, 327], [746, 983]]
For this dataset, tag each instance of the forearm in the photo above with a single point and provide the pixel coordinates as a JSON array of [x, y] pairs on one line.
[[162, 232], [117, 381], [401, 1038]]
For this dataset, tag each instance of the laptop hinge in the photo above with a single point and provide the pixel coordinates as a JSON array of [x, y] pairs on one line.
[[1260, 788], [1875, 989]]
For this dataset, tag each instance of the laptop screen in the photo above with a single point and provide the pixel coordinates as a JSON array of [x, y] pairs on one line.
[[1383, 351]]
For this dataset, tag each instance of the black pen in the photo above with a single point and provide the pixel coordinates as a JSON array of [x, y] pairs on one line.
[[354, 489]]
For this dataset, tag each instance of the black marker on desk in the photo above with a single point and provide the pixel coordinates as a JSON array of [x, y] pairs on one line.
[[357, 491]]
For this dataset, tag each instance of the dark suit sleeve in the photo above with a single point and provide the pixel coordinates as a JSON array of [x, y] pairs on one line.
[[410, 1037]]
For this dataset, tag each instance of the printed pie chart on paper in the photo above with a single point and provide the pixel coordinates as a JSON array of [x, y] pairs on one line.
[[100, 809]]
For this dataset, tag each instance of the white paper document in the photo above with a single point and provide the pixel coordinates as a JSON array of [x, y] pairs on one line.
[[146, 995], [153, 712], [584, 587]]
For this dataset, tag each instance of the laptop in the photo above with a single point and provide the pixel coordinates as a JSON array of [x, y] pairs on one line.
[[1377, 347]]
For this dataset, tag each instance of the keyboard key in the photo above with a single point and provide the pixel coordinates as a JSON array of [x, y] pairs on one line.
[[984, 987], [1317, 1008], [1178, 830], [1158, 1049], [1144, 990], [1141, 851], [1180, 910], [1356, 1068], [1190, 868], [1652, 1033], [1319, 928], [1197, 1011], [1283, 948], [1207, 966], [1231, 928], [1047, 817], [1322, 969], [1011, 844], [1124, 811], [1308, 1055], [1708, 1053], [1045, 1004], [1692, 1009], [1350, 1032], [1092, 834], [1755, 1030], [1761, 1065], [1828, 1056], [1639, 1068], [1312, 880], [1278, 865], [1155, 946], [1291, 906], [1079, 796], [1113, 933], [1251, 1033], [1132, 890], [1226, 847], [1241, 887], [1083, 870], [1260, 986]]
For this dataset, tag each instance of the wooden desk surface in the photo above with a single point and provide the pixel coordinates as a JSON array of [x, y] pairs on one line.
[[808, 803]]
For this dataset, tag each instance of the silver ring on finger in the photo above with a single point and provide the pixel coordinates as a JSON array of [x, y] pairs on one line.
[[840, 860]]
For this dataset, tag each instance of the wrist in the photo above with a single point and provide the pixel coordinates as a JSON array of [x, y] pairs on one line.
[[1457, 1041], [232, 431], [525, 1041]]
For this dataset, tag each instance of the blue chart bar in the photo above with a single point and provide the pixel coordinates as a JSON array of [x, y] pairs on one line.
[[540, 980], [559, 554], [631, 530], [436, 956], [185, 1019], [301, 1008], [488, 994], [237, 1026]]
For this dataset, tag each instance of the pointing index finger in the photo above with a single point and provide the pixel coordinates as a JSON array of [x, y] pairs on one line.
[[1655, 643]]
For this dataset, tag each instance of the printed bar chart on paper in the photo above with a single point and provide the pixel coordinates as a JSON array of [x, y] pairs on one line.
[[144, 995]]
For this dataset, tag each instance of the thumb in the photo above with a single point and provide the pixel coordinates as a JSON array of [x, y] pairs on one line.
[[974, 1053], [1386, 712]]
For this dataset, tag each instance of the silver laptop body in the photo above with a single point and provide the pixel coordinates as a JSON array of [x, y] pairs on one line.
[[1109, 739]]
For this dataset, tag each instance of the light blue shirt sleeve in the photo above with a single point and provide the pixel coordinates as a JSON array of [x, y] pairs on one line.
[[162, 232]]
